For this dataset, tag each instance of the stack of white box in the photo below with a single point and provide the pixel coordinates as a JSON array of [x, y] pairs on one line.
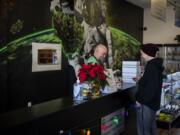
[[130, 69]]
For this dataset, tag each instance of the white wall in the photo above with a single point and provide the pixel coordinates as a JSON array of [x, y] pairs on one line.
[[159, 31]]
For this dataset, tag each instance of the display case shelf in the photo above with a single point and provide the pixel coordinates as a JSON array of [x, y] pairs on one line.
[[170, 103]]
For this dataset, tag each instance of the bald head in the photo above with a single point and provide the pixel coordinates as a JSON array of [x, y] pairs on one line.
[[100, 51]]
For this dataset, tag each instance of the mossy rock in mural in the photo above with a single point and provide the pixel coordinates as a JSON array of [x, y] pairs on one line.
[[22, 46], [125, 47], [92, 12]]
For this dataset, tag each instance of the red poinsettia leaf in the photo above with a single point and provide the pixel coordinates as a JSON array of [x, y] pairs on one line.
[[92, 73], [82, 77], [102, 77]]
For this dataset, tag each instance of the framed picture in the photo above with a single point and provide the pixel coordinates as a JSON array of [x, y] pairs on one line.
[[46, 57]]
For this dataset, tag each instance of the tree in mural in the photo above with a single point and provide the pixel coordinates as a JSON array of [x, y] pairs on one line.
[[91, 15], [68, 28], [95, 27]]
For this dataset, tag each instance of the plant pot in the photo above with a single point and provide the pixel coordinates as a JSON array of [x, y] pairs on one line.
[[95, 88]]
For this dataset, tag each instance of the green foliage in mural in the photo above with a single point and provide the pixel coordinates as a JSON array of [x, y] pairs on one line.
[[16, 27], [125, 47], [22, 46], [69, 31]]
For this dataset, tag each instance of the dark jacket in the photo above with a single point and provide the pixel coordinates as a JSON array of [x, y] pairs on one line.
[[150, 85]]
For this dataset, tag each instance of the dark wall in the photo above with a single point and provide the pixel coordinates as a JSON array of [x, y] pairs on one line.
[[125, 16], [25, 86], [35, 16]]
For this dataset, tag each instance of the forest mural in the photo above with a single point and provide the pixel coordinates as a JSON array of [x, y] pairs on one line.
[[76, 25]]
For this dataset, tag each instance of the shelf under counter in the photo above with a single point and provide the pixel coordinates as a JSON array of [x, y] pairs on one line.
[[63, 113]]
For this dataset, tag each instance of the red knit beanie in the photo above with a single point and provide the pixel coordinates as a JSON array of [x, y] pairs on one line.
[[149, 49]]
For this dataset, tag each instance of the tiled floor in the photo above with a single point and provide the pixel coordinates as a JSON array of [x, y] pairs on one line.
[[174, 131], [131, 126]]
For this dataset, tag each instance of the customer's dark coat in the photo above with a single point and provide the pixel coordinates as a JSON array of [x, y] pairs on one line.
[[150, 85]]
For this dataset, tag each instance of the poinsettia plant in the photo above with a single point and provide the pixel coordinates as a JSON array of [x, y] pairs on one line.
[[93, 72]]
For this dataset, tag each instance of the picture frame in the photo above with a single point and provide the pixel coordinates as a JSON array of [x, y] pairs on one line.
[[46, 57]]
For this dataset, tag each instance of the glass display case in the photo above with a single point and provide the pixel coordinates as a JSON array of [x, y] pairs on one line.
[[171, 89], [170, 102], [170, 97]]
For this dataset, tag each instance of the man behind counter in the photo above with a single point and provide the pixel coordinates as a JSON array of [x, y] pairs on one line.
[[98, 54]]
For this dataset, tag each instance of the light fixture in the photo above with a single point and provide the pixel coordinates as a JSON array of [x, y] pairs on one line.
[[158, 9]]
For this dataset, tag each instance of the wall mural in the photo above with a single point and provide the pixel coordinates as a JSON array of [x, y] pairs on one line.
[[77, 27]]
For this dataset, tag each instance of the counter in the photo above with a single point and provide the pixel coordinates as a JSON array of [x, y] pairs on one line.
[[62, 114]]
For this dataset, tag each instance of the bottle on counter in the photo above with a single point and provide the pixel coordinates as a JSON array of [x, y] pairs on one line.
[[76, 90]]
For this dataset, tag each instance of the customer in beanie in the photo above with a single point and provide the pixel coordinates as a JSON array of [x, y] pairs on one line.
[[149, 91]]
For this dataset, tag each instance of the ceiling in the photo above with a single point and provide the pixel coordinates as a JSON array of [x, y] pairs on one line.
[[147, 3], [141, 3]]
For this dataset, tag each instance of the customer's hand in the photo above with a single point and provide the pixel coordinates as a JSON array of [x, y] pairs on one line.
[[136, 79], [142, 70]]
